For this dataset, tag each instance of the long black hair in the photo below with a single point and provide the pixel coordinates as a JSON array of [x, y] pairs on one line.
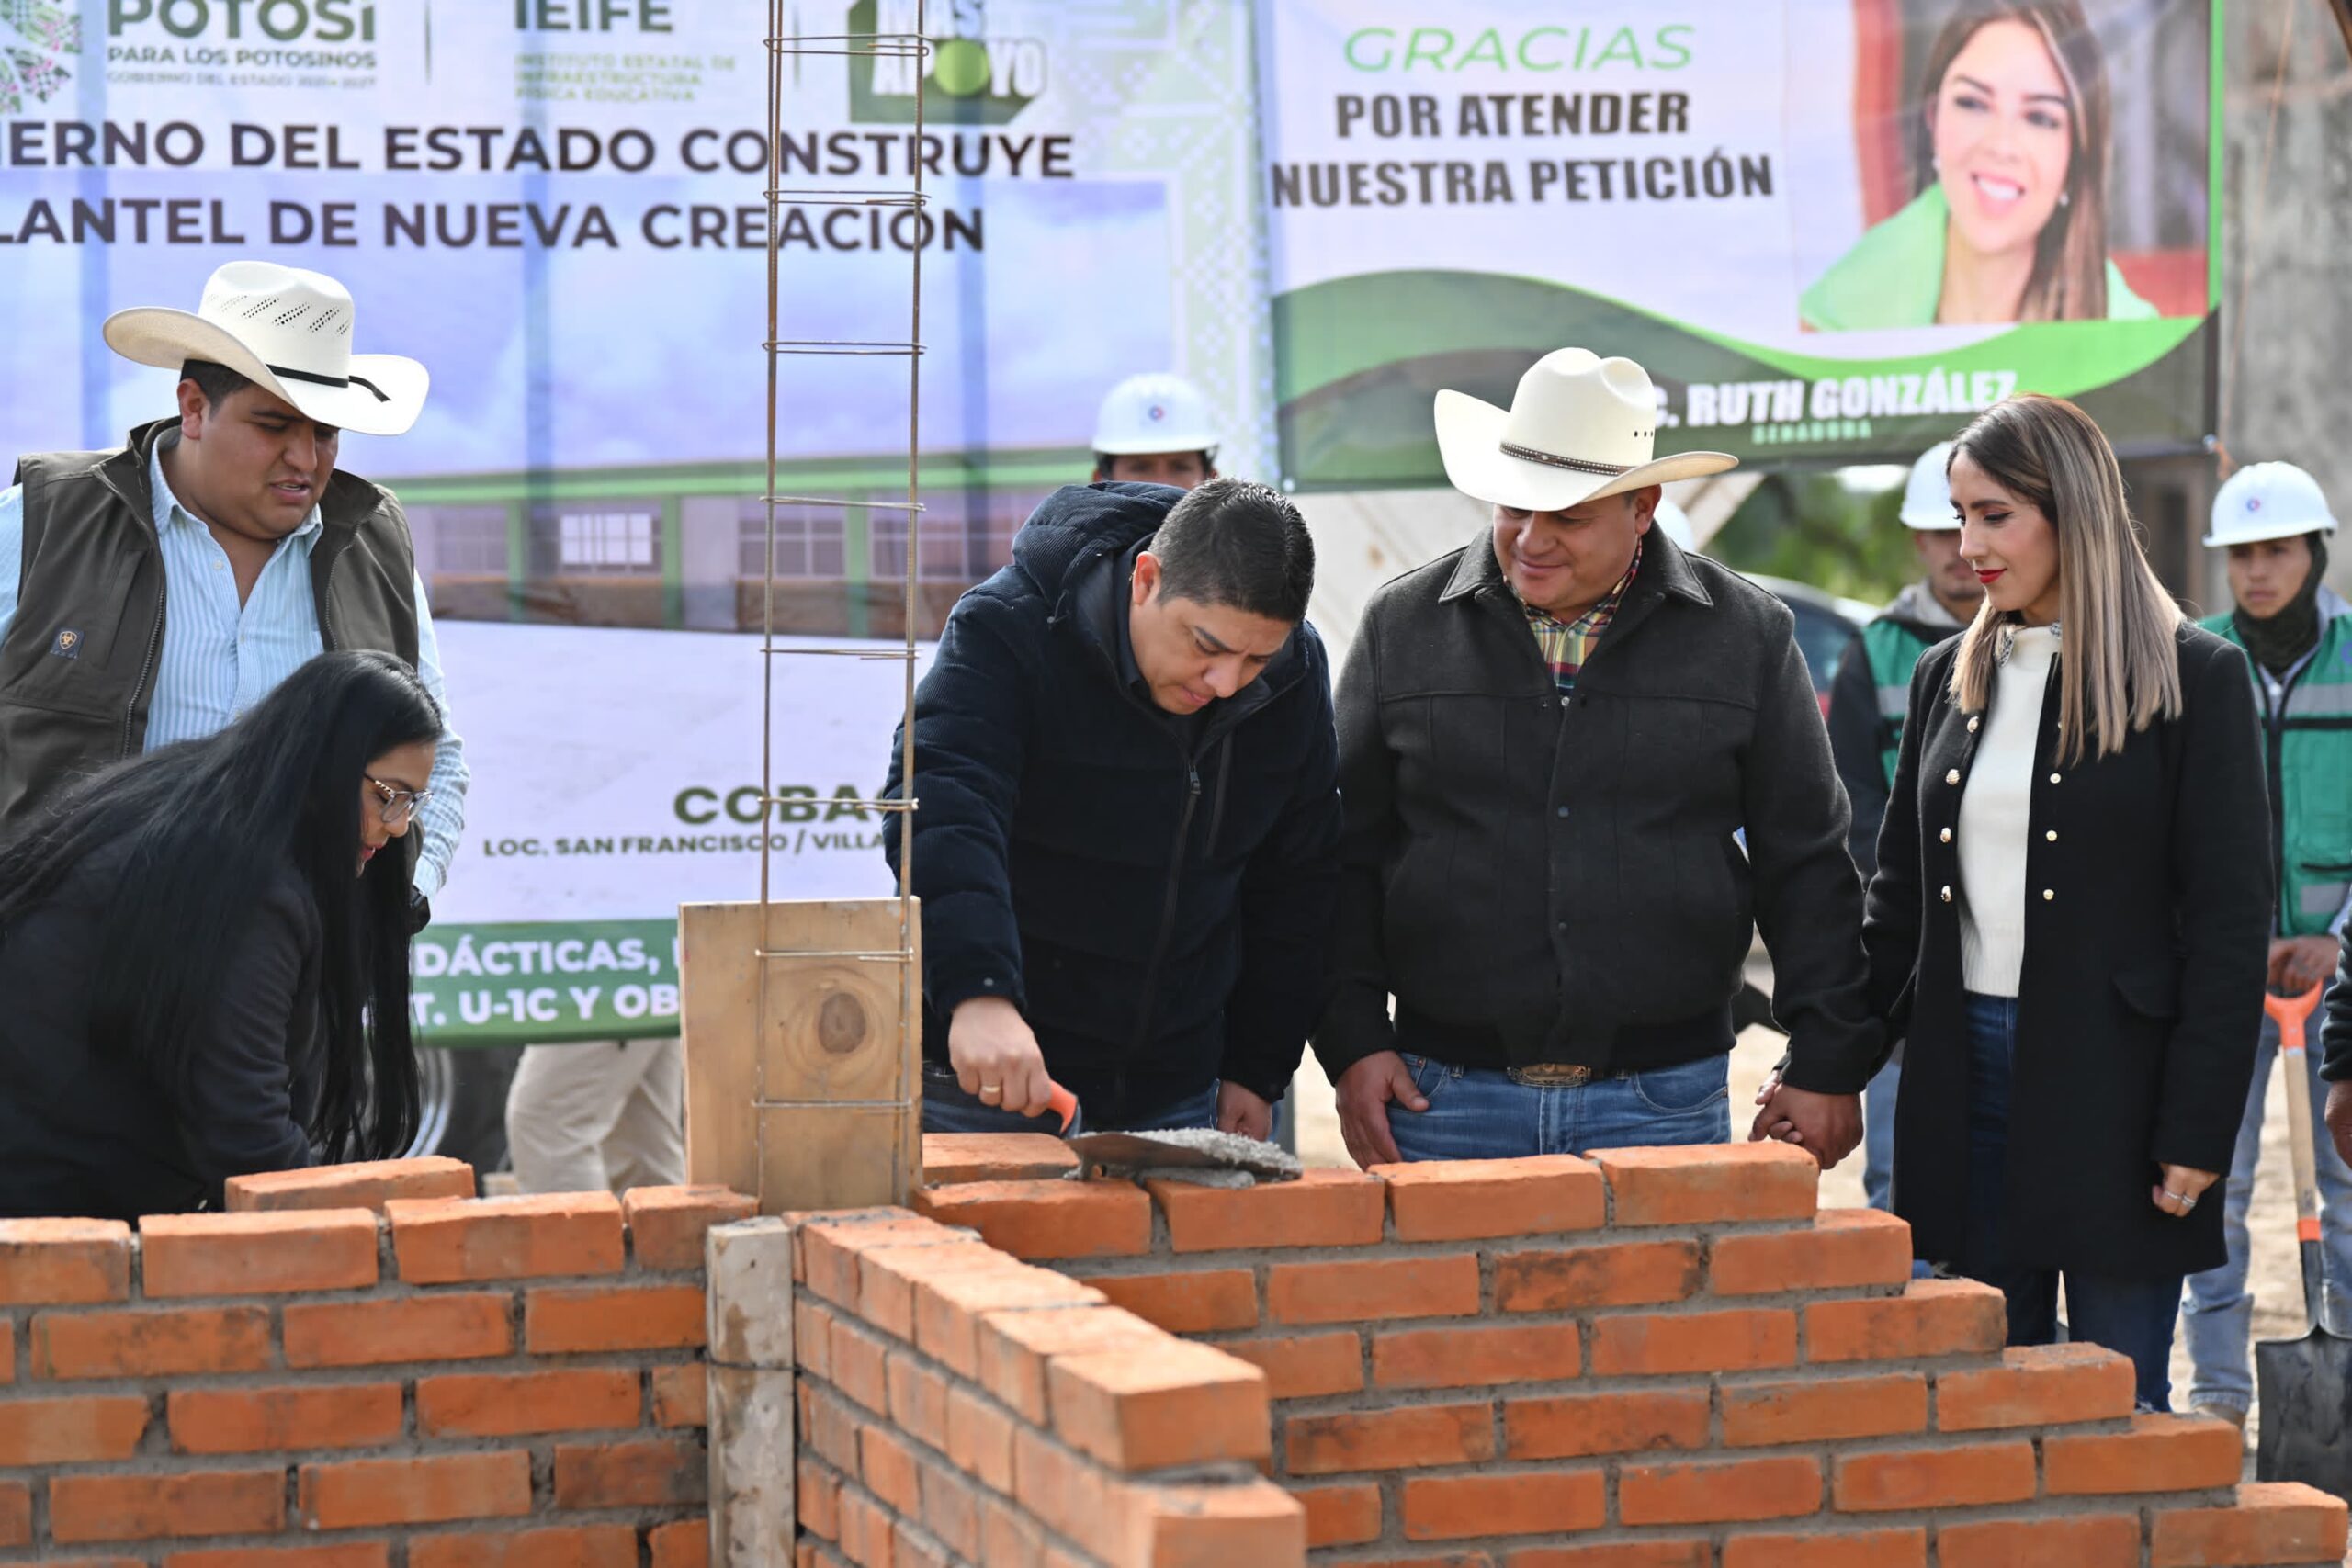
[[209, 825]]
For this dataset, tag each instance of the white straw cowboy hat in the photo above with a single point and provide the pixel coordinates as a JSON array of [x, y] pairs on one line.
[[1579, 427], [288, 332]]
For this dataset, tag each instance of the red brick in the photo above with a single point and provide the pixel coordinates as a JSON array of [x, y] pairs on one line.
[[681, 1395], [1817, 1549], [918, 1401], [666, 1223], [1818, 1409], [1208, 1301], [569, 1319], [951, 1508], [102, 1563], [71, 1431], [1048, 1219], [2099, 1540], [949, 1308], [1637, 1273], [1009, 1536], [684, 1544], [1473, 1199], [271, 1420], [1017, 1349], [506, 1238], [891, 1279], [1322, 1208], [15, 1514], [951, 1159], [980, 1439], [2160, 1453], [861, 1364], [1580, 1426], [239, 1255], [1623, 1554], [7, 1349], [2037, 1385], [830, 1424], [1709, 1491], [1469, 1357], [1932, 1318], [380, 1332], [350, 1554], [1176, 1403], [817, 1498], [1456, 1507], [1201, 1527], [1444, 1286], [1730, 1341], [865, 1532], [580, 1546], [150, 1344], [1344, 1515], [367, 1184], [63, 1262], [1304, 1366], [1845, 1248], [828, 1247], [1399, 1439], [1710, 1183], [887, 1466], [1442, 1560], [1958, 1477], [1066, 1491], [813, 1337], [500, 1404], [144, 1508], [357, 1493], [648, 1473], [2272, 1522]]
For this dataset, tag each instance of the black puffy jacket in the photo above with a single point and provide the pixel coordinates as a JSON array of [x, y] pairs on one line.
[[1155, 896]]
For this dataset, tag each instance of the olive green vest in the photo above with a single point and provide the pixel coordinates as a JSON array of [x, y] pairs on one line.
[[77, 666], [2307, 749], [1892, 649]]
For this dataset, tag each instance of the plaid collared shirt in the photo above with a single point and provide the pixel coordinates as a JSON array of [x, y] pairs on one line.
[[1567, 645]]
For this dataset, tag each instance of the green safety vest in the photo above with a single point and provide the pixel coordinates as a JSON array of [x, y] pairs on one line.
[[1892, 649], [2307, 750]]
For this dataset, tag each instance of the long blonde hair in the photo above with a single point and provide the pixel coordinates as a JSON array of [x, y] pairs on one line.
[[2119, 670]]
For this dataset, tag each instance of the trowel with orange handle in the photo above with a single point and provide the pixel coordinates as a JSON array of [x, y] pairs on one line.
[[2304, 1385], [1199, 1155]]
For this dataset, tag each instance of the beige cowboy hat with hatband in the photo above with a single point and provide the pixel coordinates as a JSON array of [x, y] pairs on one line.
[[1578, 428], [288, 332]]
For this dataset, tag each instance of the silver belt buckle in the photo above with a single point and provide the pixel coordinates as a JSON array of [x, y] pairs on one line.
[[1551, 1074]]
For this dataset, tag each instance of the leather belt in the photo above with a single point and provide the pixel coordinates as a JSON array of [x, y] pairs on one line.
[[1553, 1075]]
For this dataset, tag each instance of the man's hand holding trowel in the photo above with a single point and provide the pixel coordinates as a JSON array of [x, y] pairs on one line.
[[998, 1062]]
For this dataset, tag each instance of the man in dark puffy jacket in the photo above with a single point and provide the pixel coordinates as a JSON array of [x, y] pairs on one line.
[[1126, 840]]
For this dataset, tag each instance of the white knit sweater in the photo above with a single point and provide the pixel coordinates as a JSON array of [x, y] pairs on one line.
[[1993, 817]]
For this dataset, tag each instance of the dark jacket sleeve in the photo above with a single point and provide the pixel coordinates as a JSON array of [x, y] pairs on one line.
[[1356, 1023], [1808, 900], [1289, 895], [971, 718], [1854, 742], [2221, 896], [1891, 911], [234, 1087], [2335, 1033]]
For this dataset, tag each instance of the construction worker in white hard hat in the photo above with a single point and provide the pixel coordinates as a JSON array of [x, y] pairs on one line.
[[2296, 632], [1155, 429], [1866, 709]]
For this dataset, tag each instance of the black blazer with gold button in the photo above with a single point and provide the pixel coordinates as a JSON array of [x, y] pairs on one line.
[[2147, 927]]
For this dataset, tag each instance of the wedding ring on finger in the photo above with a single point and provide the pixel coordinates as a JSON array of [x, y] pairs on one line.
[[991, 1091]]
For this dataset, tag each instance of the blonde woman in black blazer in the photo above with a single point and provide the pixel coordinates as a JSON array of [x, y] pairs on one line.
[[2071, 914]]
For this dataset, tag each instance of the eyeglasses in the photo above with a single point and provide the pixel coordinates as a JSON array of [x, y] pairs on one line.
[[400, 804]]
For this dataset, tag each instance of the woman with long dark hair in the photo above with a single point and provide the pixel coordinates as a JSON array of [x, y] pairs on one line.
[[203, 956]]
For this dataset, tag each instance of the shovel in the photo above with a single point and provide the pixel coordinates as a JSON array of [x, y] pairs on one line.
[[1200, 1155], [2305, 1385]]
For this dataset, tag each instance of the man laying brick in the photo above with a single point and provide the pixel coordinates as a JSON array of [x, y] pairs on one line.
[[1125, 850], [1548, 739]]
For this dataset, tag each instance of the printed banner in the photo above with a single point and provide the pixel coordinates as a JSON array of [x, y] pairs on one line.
[[1831, 230]]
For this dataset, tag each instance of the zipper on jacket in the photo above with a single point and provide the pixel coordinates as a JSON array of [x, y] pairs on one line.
[[2274, 758], [146, 671], [1167, 917]]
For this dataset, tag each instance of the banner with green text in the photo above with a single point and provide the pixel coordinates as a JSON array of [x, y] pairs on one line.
[[1831, 230]]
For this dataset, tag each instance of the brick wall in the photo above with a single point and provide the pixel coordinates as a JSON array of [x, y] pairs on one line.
[[1660, 1358], [424, 1380], [955, 1406]]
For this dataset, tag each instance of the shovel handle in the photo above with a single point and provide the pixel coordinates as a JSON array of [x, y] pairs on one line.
[[1062, 1105], [2291, 1013]]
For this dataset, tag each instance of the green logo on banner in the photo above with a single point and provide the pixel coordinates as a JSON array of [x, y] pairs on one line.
[[972, 77], [36, 38]]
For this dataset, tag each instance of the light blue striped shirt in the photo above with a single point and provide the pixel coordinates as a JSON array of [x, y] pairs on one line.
[[220, 658]]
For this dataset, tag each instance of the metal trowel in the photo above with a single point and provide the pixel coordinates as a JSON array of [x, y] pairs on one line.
[[1198, 1154]]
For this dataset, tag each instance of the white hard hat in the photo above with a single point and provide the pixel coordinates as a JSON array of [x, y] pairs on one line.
[[1674, 524], [1154, 413], [1926, 495], [2268, 501]]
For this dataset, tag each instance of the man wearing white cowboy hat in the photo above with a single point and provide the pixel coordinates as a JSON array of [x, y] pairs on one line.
[[1548, 739], [154, 593], [2274, 521], [1155, 429], [1867, 704]]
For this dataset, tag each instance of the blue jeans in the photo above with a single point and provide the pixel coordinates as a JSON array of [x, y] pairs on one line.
[[2218, 1316], [2132, 1316], [1483, 1114], [1878, 1135], [947, 1108]]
